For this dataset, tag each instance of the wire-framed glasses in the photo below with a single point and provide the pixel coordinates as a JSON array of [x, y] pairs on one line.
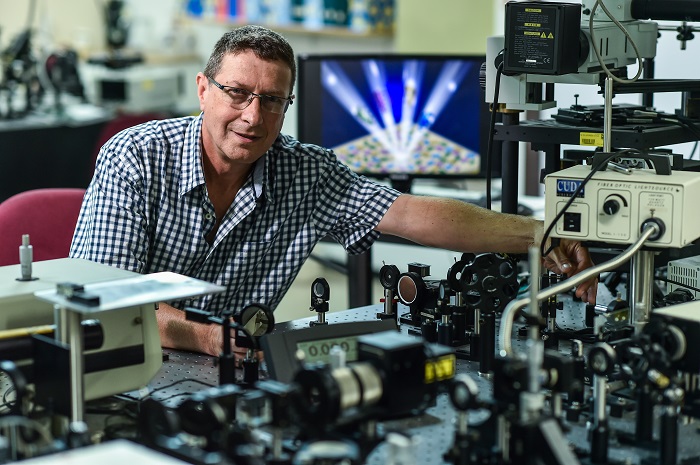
[[241, 98]]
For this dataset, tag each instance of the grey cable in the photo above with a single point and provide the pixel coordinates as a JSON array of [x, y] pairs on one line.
[[514, 306]]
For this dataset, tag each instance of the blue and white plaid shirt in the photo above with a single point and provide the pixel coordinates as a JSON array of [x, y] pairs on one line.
[[147, 210]]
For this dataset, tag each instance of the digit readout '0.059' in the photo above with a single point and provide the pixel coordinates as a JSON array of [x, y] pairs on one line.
[[320, 350]]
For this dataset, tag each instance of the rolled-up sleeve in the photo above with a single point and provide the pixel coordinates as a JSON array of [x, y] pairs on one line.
[[352, 206], [112, 226]]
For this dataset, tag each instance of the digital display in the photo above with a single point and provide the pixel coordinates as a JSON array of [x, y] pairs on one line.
[[320, 350], [316, 342], [421, 116]]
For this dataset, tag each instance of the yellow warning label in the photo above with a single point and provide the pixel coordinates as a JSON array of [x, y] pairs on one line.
[[441, 369], [550, 36], [533, 25], [593, 139], [532, 33], [533, 10], [543, 36]]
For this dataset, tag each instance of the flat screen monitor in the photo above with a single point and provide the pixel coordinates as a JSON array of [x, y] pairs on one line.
[[397, 116]]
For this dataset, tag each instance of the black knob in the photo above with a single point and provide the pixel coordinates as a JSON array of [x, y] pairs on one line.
[[389, 276], [611, 206]]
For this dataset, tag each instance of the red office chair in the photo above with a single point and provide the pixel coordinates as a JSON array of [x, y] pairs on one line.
[[47, 215], [119, 123]]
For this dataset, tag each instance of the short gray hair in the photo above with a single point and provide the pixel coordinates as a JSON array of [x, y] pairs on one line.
[[266, 44]]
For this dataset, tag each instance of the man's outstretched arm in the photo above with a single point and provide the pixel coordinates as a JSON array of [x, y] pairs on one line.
[[460, 226]]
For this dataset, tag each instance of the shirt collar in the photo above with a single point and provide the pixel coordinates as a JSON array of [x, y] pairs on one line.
[[192, 175], [259, 183], [267, 166]]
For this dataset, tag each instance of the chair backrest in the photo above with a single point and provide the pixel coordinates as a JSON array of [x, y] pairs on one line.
[[49, 217], [119, 123]]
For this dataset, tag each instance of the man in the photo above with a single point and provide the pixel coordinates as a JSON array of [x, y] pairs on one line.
[[224, 197]]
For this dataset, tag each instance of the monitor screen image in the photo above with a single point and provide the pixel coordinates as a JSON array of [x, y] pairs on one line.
[[396, 115]]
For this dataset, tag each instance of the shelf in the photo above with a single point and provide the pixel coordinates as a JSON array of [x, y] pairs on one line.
[[325, 31]]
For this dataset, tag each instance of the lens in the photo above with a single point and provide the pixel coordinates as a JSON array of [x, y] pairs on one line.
[[318, 289], [408, 290]]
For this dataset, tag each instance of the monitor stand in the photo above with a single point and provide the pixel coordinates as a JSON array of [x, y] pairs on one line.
[[401, 182]]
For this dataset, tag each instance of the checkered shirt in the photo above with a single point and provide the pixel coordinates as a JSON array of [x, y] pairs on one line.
[[147, 210]]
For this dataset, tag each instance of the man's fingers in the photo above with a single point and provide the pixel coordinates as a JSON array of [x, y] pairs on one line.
[[587, 291], [561, 264]]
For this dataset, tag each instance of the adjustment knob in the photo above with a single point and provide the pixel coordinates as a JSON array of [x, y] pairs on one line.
[[611, 206]]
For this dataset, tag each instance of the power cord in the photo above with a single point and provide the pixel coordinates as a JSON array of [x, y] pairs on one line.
[[627, 35], [677, 283], [492, 126]]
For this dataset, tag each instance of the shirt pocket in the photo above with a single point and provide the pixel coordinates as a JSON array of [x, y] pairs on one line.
[[248, 256]]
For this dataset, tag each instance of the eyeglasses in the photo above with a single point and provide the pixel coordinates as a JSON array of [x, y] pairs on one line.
[[241, 99]]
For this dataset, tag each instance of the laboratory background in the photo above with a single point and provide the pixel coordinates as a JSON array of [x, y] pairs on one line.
[[583, 114]]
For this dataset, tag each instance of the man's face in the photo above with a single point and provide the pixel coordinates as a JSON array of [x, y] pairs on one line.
[[232, 136]]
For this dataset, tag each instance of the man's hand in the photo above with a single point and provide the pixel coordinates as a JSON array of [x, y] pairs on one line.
[[569, 258], [217, 344], [178, 333]]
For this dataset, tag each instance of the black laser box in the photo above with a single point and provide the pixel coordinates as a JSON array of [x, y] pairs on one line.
[[542, 38]]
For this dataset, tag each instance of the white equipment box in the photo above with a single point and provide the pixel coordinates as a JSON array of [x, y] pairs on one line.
[[126, 312], [685, 271], [612, 206]]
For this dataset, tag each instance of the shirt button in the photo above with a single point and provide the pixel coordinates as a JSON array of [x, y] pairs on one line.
[[208, 216]]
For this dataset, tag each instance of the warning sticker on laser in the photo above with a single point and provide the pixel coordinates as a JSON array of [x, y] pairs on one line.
[[531, 38]]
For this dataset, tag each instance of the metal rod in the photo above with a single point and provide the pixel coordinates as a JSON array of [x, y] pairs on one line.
[[360, 279], [73, 320], [641, 288], [510, 160], [514, 306], [557, 405], [607, 116], [599, 393], [534, 343], [648, 73], [600, 432], [59, 317], [388, 302], [459, 299]]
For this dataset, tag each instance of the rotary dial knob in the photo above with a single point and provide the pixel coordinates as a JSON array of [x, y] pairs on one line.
[[611, 206]]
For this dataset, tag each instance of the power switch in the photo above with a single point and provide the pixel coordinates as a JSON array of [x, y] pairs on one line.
[[572, 222]]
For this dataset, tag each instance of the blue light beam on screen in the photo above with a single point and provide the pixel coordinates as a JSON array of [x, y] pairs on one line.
[[412, 76], [376, 77], [450, 78], [341, 88]]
